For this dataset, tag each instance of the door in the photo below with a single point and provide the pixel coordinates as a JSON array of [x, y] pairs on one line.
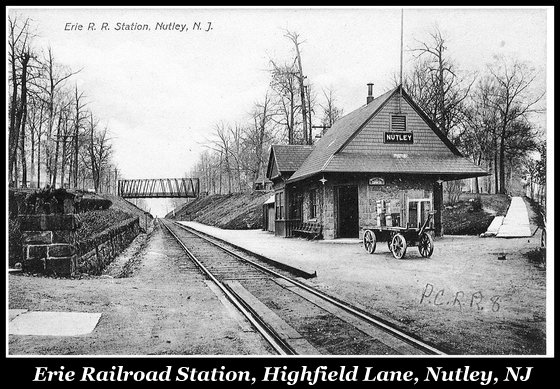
[[348, 226], [418, 210], [271, 219]]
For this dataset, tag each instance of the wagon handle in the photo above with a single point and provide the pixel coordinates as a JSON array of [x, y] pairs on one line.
[[430, 214]]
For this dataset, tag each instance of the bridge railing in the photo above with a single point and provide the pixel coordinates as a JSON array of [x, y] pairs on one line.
[[159, 187]]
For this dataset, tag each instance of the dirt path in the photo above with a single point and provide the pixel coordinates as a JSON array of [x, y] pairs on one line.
[[164, 307]]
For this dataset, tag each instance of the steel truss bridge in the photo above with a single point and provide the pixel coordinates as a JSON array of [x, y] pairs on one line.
[[159, 187]]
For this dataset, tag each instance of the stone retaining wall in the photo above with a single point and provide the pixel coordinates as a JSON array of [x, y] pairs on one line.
[[95, 253], [49, 244]]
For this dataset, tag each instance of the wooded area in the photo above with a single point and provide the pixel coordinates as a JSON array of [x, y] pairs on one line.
[[54, 139], [490, 117], [290, 112]]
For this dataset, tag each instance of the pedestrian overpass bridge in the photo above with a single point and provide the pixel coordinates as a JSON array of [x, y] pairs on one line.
[[159, 188]]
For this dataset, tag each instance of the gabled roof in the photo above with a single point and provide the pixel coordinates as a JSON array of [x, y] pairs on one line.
[[328, 154], [337, 135], [286, 158]]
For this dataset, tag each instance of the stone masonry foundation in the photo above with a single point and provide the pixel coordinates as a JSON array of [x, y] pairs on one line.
[[49, 244]]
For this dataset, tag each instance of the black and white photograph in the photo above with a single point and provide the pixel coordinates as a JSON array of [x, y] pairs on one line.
[[278, 182]]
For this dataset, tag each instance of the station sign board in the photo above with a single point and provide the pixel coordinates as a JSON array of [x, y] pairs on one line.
[[374, 181], [398, 137]]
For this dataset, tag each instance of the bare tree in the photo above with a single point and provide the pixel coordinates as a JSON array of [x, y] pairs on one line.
[[259, 134], [79, 116], [436, 85], [331, 113], [19, 55], [55, 77], [284, 83], [513, 100], [221, 143], [294, 37], [478, 137], [100, 151]]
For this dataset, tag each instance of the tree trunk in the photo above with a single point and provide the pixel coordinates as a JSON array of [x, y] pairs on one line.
[[496, 183], [477, 190], [13, 134], [23, 158], [32, 166], [294, 37], [39, 159], [55, 168], [502, 171], [76, 149], [24, 63], [63, 161]]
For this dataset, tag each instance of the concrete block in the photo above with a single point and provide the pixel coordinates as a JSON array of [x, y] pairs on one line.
[[64, 266], [36, 237], [50, 222], [34, 265], [68, 205], [61, 250], [39, 323], [36, 252], [64, 236]]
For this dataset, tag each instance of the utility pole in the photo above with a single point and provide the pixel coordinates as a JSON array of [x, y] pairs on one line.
[[401, 68]]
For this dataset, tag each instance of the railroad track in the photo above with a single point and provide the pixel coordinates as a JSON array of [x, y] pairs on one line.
[[295, 318]]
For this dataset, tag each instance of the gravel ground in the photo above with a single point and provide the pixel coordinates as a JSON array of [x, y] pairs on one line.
[[484, 306], [462, 300]]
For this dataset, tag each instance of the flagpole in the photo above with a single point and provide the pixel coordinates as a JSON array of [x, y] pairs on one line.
[[401, 70]]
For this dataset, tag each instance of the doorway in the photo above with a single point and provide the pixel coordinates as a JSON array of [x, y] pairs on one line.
[[418, 210], [348, 223]]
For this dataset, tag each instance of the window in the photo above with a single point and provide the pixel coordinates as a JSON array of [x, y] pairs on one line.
[[280, 206], [398, 123], [296, 201], [418, 210], [313, 203]]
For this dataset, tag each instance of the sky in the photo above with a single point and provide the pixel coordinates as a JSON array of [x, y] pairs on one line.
[[160, 92]]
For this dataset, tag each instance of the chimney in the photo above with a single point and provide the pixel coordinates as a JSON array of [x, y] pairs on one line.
[[370, 92]]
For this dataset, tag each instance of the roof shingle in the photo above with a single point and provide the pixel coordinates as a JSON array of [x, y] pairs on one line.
[[410, 163], [328, 155], [290, 157], [337, 135]]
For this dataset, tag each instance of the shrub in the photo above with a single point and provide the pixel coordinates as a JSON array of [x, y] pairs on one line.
[[476, 204]]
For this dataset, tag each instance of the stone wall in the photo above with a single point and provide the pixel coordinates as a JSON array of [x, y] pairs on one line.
[[396, 189], [49, 244], [95, 253]]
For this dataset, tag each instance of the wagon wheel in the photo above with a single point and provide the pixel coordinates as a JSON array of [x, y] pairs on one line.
[[390, 241], [369, 241], [398, 245], [426, 245]]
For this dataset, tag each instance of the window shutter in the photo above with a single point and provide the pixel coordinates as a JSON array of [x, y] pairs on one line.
[[398, 123]]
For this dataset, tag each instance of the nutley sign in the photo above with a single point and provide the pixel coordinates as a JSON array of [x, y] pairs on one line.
[[398, 137]]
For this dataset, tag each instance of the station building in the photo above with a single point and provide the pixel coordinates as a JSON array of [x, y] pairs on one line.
[[381, 165]]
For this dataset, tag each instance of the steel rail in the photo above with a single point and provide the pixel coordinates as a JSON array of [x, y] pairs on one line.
[[269, 334], [345, 306]]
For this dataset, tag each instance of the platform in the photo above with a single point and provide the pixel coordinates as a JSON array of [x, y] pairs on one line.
[[516, 222], [294, 252]]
